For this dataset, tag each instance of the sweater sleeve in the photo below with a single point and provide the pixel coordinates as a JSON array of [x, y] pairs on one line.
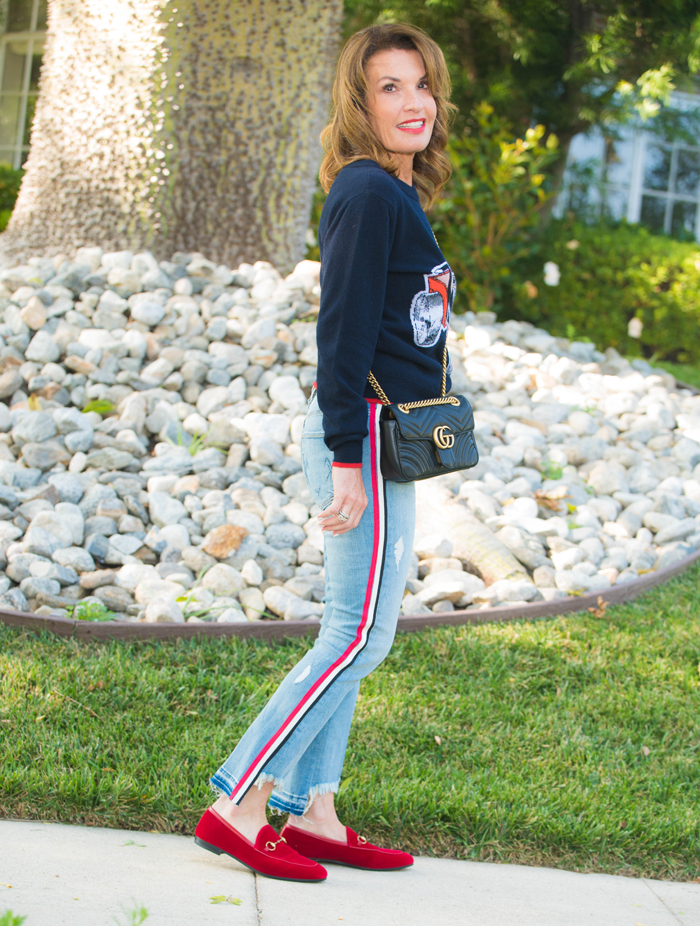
[[354, 263]]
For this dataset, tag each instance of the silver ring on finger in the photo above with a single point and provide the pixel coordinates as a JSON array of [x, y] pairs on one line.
[[342, 516]]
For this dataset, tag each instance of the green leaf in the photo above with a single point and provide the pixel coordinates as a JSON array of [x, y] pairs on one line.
[[134, 917], [222, 898], [8, 918], [551, 470], [101, 406]]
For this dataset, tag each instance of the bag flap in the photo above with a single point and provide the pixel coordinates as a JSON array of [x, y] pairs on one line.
[[419, 423]]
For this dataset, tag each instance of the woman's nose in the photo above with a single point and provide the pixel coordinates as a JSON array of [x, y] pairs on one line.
[[413, 102]]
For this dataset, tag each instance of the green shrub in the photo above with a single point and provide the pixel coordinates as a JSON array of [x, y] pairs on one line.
[[90, 611], [10, 181], [486, 219], [609, 276]]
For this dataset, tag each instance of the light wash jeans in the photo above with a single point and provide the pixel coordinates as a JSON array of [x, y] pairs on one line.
[[299, 739]]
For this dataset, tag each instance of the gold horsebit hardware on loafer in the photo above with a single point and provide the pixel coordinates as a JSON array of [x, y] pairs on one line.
[[442, 438], [362, 841], [271, 846]]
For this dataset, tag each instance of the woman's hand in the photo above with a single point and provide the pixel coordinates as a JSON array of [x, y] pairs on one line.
[[349, 497]]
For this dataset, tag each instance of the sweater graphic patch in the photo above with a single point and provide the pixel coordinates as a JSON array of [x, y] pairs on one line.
[[431, 307]]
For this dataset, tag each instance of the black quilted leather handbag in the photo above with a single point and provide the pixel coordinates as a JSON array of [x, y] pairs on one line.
[[426, 438]]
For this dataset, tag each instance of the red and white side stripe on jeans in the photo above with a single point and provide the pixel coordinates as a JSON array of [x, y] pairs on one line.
[[369, 612]]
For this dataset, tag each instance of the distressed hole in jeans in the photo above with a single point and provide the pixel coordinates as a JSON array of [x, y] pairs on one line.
[[398, 552], [324, 490]]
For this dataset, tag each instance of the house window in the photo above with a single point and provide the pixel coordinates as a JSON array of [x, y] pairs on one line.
[[638, 176], [670, 189], [21, 48]]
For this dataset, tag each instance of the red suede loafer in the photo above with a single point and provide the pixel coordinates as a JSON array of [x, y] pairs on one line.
[[270, 855], [358, 853]]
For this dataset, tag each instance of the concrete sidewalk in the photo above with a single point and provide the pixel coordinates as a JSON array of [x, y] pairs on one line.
[[84, 876]]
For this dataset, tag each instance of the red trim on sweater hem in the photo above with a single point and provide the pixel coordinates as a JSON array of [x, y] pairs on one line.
[[349, 465], [373, 401]]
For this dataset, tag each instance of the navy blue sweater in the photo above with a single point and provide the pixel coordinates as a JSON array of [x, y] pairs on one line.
[[386, 297]]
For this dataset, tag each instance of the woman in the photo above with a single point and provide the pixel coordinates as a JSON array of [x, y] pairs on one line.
[[386, 298]]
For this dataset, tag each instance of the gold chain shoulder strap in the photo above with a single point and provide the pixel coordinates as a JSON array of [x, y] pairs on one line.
[[407, 406]]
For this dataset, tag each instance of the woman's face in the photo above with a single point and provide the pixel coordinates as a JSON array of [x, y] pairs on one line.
[[401, 107]]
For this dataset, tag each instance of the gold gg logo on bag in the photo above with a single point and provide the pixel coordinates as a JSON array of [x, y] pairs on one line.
[[442, 438]]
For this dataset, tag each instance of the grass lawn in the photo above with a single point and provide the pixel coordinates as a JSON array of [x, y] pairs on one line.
[[570, 742], [684, 372]]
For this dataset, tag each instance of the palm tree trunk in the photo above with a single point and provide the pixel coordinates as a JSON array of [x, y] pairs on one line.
[[439, 512], [178, 125]]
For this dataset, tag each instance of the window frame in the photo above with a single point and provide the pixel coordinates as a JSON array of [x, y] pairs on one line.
[[637, 190], [18, 149], [600, 191]]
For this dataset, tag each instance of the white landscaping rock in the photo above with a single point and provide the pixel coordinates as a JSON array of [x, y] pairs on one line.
[[75, 558], [441, 591], [164, 611], [469, 584], [148, 311], [411, 605], [232, 615], [576, 581], [588, 473], [506, 591], [252, 573], [287, 391], [149, 589], [298, 610], [175, 535], [130, 575], [262, 427], [252, 602], [42, 348], [164, 509], [277, 599], [223, 580], [432, 546]]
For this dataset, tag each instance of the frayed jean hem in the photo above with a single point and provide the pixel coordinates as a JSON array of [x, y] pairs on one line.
[[221, 784], [224, 785], [281, 802]]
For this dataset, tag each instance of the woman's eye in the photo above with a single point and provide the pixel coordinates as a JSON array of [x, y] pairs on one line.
[[389, 87]]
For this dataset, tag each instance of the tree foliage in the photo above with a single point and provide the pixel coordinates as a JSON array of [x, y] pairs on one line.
[[564, 66], [491, 205], [567, 64]]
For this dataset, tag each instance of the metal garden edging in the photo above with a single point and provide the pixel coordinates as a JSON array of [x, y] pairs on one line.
[[268, 630]]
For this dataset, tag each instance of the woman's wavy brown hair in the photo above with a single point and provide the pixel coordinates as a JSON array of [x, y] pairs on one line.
[[349, 135]]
